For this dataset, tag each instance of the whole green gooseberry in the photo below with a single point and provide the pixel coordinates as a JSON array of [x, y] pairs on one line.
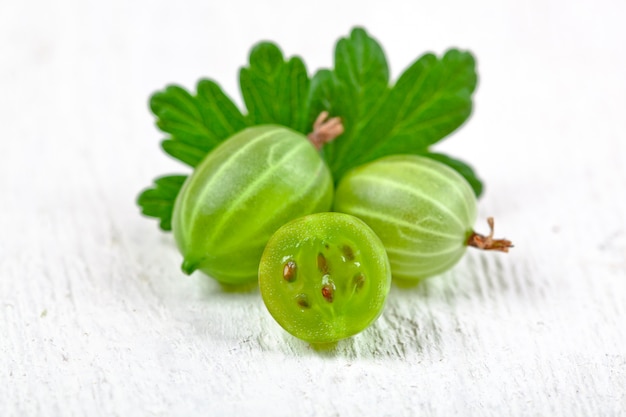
[[240, 194], [422, 210]]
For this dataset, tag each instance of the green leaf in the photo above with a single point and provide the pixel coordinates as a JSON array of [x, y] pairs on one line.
[[462, 168], [158, 201], [431, 99], [196, 124], [274, 90], [354, 90]]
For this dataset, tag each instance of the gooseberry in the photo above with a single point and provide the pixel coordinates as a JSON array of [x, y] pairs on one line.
[[240, 194], [324, 277], [422, 210]]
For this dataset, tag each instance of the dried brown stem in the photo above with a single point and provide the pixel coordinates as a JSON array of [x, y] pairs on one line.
[[325, 130], [488, 242]]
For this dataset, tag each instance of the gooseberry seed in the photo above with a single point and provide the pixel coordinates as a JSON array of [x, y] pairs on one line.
[[322, 265], [359, 281], [348, 252], [289, 271], [303, 300], [328, 292]]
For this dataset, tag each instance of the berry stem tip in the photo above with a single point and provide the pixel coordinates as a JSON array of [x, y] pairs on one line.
[[479, 241], [325, 130]]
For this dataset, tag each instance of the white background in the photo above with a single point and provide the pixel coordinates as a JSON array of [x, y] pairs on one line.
[[97, 319]]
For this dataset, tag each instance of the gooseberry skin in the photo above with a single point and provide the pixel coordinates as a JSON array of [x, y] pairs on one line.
[[240, 194], [422, 210], [324, 277]]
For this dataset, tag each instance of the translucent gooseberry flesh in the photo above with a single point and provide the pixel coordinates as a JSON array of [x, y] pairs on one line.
[[324, 277]]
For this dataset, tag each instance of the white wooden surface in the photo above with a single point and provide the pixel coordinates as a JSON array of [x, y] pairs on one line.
[[97, 320]]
